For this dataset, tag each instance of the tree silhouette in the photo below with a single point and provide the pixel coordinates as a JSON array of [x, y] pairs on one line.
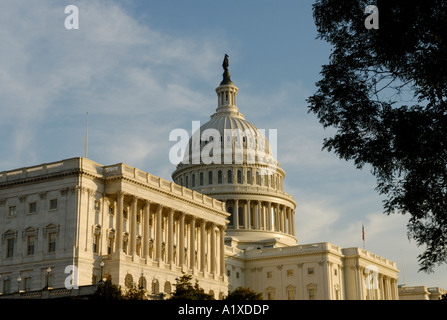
[[184, 290], [108, 291], [242, 293], [385, 92]]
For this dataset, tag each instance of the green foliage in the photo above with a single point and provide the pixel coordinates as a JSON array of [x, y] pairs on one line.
[[184, 290], [384, 91], [108, 291], [135, 293], [242, 293]]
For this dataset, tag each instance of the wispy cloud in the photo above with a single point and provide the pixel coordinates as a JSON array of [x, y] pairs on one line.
[[128, 75]]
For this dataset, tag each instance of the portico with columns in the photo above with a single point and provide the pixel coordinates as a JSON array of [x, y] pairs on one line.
[[116, 221], [172, 229]]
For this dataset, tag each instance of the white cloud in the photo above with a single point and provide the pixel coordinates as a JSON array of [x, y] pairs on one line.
[[130, 76]]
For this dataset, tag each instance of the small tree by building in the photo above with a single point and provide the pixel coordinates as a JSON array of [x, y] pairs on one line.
[[108, 291], [184, 290], [242, 293], [135, 293]]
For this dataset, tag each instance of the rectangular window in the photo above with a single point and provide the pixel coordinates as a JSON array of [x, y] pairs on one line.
[[290, 273], [28, 284], [52, 242], [111, 210], [311, 294], [7, 286], [97, 205], [291, 294], [269, 274], [32, 208], [310, 270], [10, 248], [30, 245], [53, 204], [95, 243], [109, 245], [12, 211]]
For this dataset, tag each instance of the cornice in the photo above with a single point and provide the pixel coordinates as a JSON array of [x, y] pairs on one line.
[[165, 192]]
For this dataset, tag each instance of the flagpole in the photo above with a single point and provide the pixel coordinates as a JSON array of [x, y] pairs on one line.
[[86, 136], [363, 236]]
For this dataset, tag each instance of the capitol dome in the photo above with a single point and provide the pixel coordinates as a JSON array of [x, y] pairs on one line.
[[230, 159]]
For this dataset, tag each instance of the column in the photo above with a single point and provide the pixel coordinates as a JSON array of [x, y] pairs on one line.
[[170, 236], [236, 214], [222, 250], [289, 220], [147, 211], [192, 226], [395, 290], [258, 216], [133, 226], [181, 249], [202, 244], [380, 288], [213, 257], [262, 216], [293, 221], [247, 221], [119, 222], [269, 216], [158, 233], [388, 291], [277, 222]]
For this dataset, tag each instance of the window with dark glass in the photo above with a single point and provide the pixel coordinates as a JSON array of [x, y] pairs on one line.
[[210, 177]]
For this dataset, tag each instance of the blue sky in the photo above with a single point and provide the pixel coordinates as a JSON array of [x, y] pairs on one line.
[[143, 68]]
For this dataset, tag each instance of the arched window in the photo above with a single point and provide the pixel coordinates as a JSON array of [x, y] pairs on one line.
[[249, 177], [155, 287], [230, 176], [187, 181], [239, 176], [193, 180], [128, 280], [219, 176], [201, 178], [142, 283], [210, 177]]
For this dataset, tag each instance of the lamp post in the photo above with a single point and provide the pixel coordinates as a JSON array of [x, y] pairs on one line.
[[102, 267], [19, 279], [141, 280], [48, 278]]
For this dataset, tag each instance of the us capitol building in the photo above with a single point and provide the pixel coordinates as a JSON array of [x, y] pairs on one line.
[[227, 223]]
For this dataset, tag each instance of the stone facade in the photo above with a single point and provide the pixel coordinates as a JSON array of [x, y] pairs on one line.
[[420, 293], [75, 212], [227, 222], [262, 252]]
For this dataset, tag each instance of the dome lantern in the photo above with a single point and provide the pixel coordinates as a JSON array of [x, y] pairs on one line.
[[226, 92]]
